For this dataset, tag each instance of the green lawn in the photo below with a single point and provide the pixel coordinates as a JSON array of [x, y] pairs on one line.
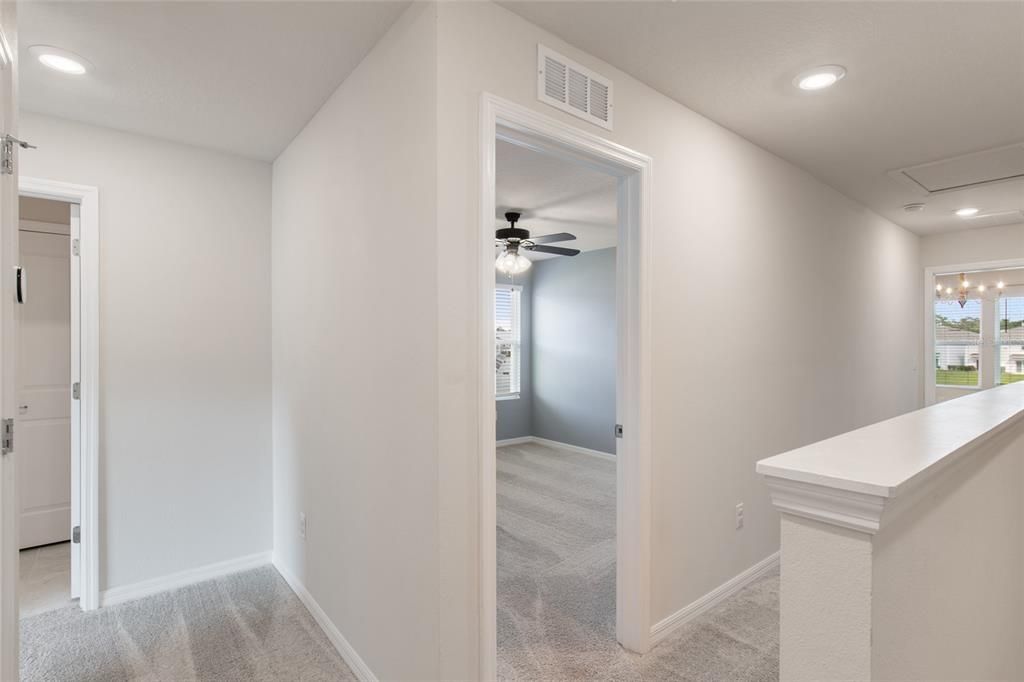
[[952, 377]]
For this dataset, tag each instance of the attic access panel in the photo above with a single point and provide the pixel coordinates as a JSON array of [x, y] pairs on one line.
[[969, 170]]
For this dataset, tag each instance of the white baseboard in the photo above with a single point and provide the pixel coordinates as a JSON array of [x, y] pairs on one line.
[[556, 444], [117, 595], [354, 661], [666, 627], [573, 448], [515, 441]]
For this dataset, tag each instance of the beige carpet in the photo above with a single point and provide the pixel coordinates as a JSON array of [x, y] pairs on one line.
[[246, 626], [556, 586]]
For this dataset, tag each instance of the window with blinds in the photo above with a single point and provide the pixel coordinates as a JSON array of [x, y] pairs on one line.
[[957, 342], [1010, 335], [507, 349]]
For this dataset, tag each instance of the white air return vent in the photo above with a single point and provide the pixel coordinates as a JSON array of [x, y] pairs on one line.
[[568, 86], [962, 172]]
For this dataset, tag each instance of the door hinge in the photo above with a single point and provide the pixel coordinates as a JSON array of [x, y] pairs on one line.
[[74, 247], [76, 535], [7, 143], [7, 436], [618, 430], [76, 391]]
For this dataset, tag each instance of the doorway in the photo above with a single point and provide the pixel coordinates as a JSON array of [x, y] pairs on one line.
[[506, 122], [44, 408], [555, 394], [46, 395]]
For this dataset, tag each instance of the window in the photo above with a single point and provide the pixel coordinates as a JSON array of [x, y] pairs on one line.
[[507, 348], [957, 342], [1010, 316]]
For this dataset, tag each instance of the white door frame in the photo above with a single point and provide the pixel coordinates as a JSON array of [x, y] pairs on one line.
[[930, 273], [506, 120], [85, 347]]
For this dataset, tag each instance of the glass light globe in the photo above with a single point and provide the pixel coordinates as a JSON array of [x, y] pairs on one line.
[[512, 263]]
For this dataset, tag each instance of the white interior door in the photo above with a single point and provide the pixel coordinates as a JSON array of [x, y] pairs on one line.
[[43, 422], [8, 359]]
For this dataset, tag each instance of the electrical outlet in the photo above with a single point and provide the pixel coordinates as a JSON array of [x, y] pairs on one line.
[[739, 516], [302, 525]]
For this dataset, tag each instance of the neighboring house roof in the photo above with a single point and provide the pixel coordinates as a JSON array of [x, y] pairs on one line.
[[950, 335], [1014, 335]]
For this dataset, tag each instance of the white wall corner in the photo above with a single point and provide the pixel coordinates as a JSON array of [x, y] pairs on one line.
[[348, 653], [665, 627]]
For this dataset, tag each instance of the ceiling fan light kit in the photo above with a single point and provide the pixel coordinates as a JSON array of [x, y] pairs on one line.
[[510, 261]]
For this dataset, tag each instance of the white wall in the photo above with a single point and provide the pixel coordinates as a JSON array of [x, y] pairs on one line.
[[184, 345], [355, 312], [747, 246], [973, 246]]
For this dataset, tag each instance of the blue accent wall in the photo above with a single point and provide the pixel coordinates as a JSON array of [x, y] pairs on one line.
[[569, 353], [574, 350]]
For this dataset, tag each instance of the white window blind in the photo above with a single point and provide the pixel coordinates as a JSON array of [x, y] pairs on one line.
[[1010, 315], [957, 342], [507, 349]]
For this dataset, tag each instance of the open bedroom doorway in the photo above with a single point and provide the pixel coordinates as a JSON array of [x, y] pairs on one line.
[[565, 498], [555, 394]]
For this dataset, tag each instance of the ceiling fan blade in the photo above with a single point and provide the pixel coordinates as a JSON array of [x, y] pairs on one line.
[[549, 238], [557, 250]]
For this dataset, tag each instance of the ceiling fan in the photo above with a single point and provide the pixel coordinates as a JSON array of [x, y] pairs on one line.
[[513, 238]]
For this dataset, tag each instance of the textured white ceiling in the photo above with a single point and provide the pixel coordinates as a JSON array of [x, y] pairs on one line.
[[926, 81], [555, 196], [242, 77]]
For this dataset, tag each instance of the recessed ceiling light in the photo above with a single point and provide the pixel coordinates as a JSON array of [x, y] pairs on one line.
[[966, 212], [820, 77], [59, 60], [913, 208]]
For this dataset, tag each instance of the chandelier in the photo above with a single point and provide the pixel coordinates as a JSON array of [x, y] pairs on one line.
[[964, 288]]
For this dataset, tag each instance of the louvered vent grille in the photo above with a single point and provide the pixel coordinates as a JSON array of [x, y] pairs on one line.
[[554, 79], [578, 91], [599, 100], [571, 87]]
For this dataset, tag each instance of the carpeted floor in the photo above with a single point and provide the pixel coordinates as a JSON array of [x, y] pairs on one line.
[[556, 586], [556, 607], [246, 626]]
